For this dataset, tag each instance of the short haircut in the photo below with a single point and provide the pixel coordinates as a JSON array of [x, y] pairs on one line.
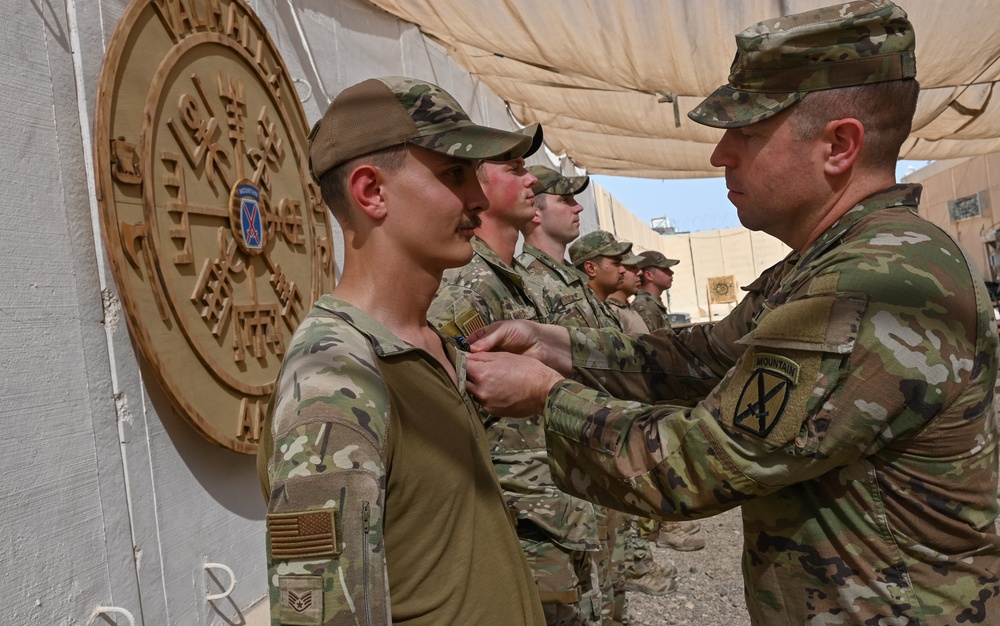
[[541, 201], [885, 109], [641, 273], [333, 184]]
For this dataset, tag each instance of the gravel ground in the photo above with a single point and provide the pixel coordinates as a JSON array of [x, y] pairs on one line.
[[709, 581]]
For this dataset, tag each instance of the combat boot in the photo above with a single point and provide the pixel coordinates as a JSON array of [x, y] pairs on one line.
[[652, 583], [680, 536]]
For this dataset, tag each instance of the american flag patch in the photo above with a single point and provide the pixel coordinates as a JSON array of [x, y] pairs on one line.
[[303, 535], [470, 322]]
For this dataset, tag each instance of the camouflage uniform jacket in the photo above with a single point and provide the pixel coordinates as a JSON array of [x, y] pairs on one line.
[[632, 323], [651, 309], [484, 291], [857, 431], [383, 506], [567, 297]]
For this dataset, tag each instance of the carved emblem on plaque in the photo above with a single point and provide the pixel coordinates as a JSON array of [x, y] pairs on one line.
[[218, 237]]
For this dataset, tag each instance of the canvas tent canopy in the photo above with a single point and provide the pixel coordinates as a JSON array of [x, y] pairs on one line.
[[612, 81]]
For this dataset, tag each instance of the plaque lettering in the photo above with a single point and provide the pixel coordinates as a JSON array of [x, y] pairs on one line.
[[249, 424]]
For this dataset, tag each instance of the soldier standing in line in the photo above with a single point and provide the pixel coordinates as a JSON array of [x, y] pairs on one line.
[[599, 255], [382, 503], [602, 258], [857, 431], [570, 302], [656, 277], [632, 323], [564, 292], [559, 533]]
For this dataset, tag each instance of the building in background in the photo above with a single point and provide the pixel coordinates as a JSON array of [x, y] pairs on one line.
[[703, 255], [962, 196]]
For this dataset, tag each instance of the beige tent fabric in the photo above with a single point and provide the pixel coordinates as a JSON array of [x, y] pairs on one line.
[[595, 73]]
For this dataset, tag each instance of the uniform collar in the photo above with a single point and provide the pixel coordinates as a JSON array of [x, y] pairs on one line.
[[569, 275], [383, 341], [895, 196], [481, 248]]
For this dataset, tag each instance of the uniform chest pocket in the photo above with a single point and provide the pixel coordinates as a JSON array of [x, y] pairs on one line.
[[517, 311]]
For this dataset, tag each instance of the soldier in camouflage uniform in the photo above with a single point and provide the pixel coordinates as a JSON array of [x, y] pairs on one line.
[[656, 277], [857, 431], [564, 292], [601, 257], [571, 302], [632, 322], [559, 533], [382, 503], [598, 255]]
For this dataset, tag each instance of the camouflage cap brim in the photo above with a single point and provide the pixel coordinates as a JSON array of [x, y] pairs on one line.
[[610, 250], [734, 108], [568, 186], [535, 132], [632, 260], [471, 141], [552, 182]]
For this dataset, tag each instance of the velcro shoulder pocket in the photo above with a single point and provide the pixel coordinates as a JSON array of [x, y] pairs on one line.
[[792, 364], [325, 547]]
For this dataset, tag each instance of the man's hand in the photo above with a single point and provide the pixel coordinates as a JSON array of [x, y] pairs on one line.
[[546, 343], [509, 384]]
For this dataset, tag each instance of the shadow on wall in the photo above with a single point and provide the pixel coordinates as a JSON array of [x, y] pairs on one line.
[[228, 477]]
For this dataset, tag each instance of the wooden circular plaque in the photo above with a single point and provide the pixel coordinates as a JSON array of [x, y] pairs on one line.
[[218, 237]]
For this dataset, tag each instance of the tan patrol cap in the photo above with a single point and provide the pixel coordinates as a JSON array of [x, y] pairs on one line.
[[382, 112]]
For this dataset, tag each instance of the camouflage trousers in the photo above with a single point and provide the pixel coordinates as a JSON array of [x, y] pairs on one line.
[[614, 527], [568, 580], [639, 557]]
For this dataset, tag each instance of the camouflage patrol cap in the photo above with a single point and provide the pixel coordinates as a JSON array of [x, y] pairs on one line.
[[597, 243], [780, 60], [383, 112], [652, 258], [632, 260], [551, 181]]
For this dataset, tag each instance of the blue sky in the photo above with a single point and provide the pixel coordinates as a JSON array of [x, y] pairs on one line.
[[691, 204]]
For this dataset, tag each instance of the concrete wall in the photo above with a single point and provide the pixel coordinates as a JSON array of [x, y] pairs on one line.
[[109, 497], [946, 181], [703, 255]]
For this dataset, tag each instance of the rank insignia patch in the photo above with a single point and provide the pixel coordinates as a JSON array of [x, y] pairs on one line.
[[301, 600], [765, 394]]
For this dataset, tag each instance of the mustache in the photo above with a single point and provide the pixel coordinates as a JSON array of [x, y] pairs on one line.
[[472, 223]]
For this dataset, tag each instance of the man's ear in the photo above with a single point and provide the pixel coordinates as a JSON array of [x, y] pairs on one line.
[[364, 185], [590, 268], [843, 140]]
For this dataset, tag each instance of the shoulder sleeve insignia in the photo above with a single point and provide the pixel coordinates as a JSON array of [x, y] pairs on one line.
[[765, 394]]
